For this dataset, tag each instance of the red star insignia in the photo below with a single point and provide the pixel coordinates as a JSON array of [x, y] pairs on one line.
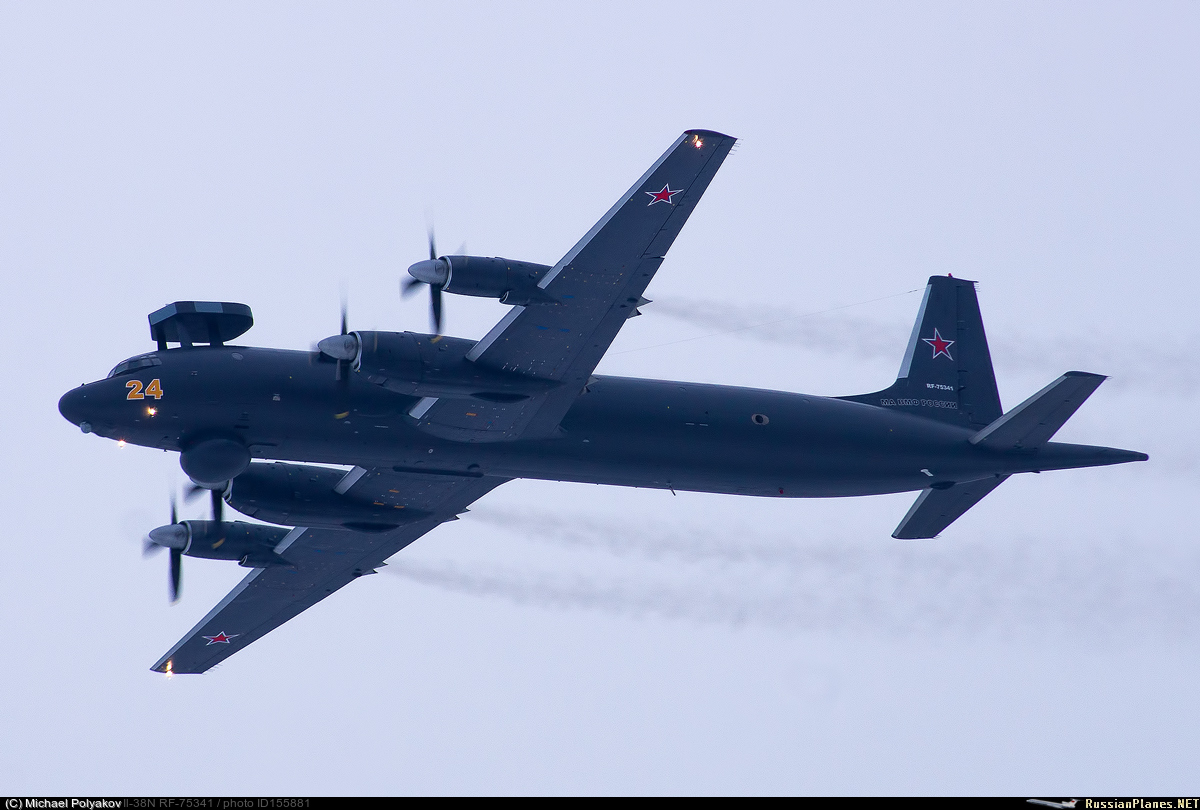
[[940, 344], [662, 196], [221, 638]]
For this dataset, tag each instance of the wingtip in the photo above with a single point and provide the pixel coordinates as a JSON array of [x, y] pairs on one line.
[[170, 672], [708, 133]]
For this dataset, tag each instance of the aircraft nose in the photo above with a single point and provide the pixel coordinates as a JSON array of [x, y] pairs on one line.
[[74, 405]]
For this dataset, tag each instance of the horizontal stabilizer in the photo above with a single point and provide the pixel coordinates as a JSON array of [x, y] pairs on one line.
[[1031, 424], [936, 509]]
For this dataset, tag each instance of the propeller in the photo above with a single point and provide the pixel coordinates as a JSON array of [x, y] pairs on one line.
[[174, 536], [338, 374], [435, 272], [176, 573], [215, 495], [343, 348]]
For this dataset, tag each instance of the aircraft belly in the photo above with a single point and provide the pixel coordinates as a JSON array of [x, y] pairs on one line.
[[683, 436], [825, 474]]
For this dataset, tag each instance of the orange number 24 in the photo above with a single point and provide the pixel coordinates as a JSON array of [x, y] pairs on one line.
[[154, 389]]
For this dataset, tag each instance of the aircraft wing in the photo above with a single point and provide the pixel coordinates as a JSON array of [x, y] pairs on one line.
[[592, 291], [324, 561]]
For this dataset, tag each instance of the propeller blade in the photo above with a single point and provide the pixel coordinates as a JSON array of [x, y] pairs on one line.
[[433, 272], [341, 372], [176, 573], [409, 286], [218, 505], [190, 494], [341, 348], [174, 536]]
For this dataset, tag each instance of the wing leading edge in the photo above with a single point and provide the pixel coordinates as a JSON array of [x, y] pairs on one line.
[[593, 290], [324, 560]]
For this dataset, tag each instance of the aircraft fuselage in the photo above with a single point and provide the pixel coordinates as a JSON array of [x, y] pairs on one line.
[[287, 405]]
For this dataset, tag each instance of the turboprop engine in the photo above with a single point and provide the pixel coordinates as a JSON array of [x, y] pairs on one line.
[[306, 495], [510, 281], [250, 544], [429, 366]]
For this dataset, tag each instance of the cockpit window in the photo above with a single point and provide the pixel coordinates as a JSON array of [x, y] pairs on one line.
[[135, 363]]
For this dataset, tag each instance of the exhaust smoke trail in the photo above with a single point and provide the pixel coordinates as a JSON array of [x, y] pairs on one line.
[[619, 538], [1020, 587], [1168, 366]]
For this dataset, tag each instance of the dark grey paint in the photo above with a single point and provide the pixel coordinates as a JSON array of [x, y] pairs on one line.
[[433, 423]]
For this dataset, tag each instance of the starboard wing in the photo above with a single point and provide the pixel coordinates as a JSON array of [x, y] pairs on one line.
[[323, 560], [592, 291]]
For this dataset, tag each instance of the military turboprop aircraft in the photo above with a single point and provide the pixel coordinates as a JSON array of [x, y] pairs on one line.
[[431, 423]]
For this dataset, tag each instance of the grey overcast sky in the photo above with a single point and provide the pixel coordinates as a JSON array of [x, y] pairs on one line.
[[579, 639]]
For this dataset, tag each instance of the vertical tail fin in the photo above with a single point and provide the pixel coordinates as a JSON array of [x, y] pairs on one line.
[[947, 369]]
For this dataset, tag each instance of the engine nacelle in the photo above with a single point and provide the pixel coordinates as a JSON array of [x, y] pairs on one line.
[[304, 495], [437, 366], [248, 543], [510, 281]]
